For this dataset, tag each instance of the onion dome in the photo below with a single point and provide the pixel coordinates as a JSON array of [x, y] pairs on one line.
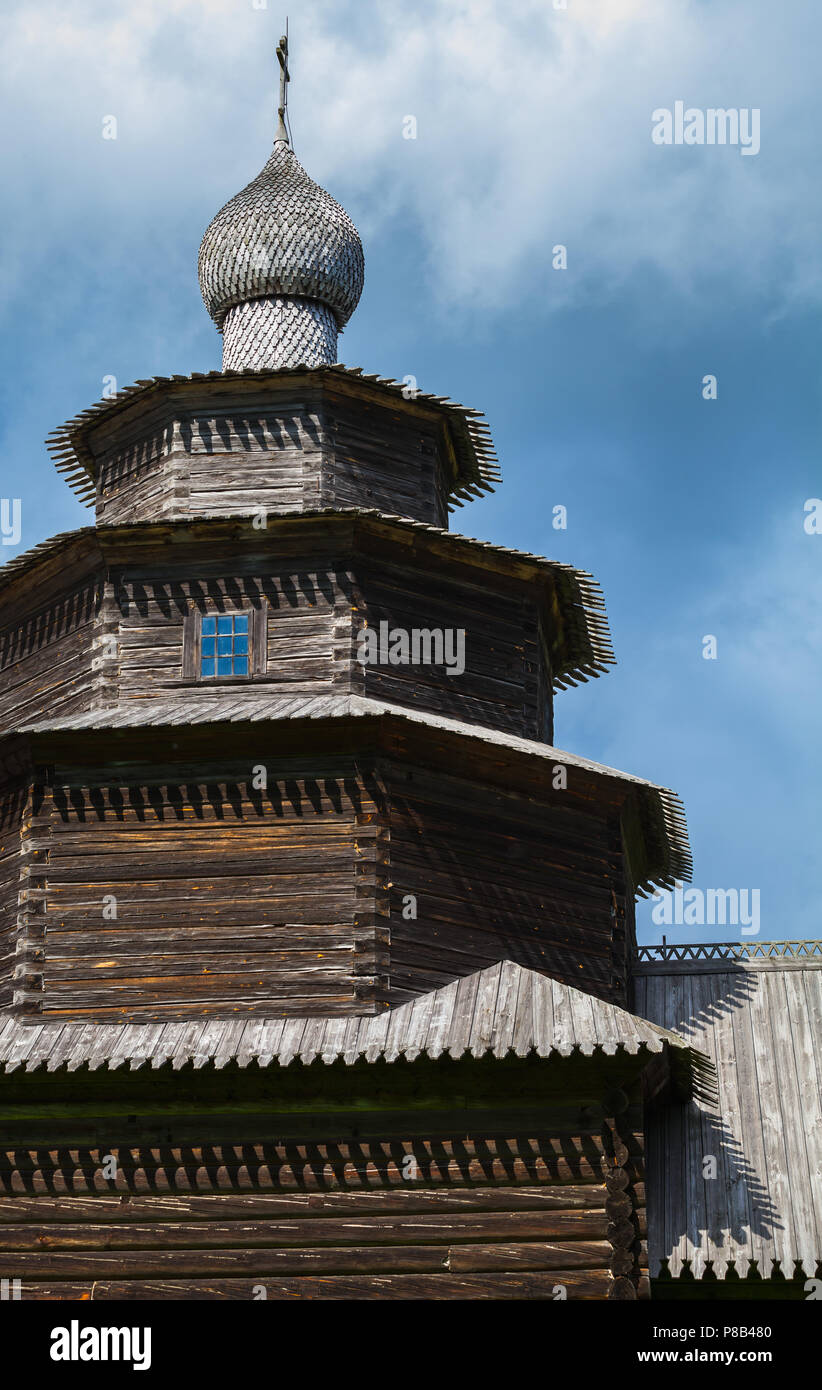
[[281, 269]]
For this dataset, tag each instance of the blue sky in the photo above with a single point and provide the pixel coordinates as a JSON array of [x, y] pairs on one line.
[[533, 128]]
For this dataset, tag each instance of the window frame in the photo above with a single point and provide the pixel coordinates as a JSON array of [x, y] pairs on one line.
[[193, 643]]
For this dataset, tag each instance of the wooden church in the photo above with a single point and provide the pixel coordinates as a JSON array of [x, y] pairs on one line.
[[318, 969]]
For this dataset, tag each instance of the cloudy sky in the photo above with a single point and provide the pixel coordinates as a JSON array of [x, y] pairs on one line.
[[533, 129]]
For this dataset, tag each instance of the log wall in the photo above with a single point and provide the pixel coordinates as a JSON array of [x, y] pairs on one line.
[[177, 899], [385, 458], [47, 656], [237, 462], [13, 797], [133, 479], [125, 632], [301, 452], [306, 627], [506, 683], [501, 877], [313, 614], [505, 1214], [344, 884]]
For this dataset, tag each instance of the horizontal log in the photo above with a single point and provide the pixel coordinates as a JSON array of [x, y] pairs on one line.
[[343, 1259], [582, 1284], [206, 946], [109, 1007], [239, 861], [583, 1254], [434, 1227], [167, 974], [89, 1237], [227, 1207], [60, 1291]]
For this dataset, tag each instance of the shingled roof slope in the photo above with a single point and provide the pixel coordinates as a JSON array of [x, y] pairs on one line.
[[662, 811], [503, 1009], [585, 649]]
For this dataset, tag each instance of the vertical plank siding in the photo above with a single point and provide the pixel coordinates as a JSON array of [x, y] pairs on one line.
[[759, 1021]]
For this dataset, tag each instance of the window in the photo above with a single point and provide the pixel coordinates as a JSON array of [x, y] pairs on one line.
[[224, 646]]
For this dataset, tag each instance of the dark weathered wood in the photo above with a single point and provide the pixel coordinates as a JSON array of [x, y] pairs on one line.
[[427, 1227], [47, 652], [215, 855], [201, 866], [570, 1283], [13, 799], [425, 1238], [40, 1212], [148, 880], [306, 445]]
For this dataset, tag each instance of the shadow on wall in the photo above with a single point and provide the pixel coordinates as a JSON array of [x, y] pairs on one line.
[[708, 1192], [291, 1166]]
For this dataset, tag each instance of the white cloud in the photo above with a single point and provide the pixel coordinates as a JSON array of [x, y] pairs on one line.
[[534, 128]]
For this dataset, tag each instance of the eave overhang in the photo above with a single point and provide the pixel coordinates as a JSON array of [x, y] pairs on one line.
[[579, 638], [502, 1011], [476, 467], [659, 856]]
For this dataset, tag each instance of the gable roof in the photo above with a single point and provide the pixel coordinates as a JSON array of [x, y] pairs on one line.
[[503, 1009]]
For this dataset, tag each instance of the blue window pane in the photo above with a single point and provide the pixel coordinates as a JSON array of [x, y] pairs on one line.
[[225, 645]]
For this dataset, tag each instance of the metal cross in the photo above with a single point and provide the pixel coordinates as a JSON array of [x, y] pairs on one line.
[[285, 77]]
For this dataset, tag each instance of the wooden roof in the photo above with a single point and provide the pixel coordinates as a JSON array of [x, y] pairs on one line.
[[758, 1016], [497, 1011], [473, 448], [580, 651], [664, 828]]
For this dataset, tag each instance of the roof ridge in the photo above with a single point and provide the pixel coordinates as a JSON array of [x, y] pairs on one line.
[[31, 1044]]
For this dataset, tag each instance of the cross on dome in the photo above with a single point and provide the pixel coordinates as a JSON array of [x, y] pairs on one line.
[[281, 265], [285, 78]]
